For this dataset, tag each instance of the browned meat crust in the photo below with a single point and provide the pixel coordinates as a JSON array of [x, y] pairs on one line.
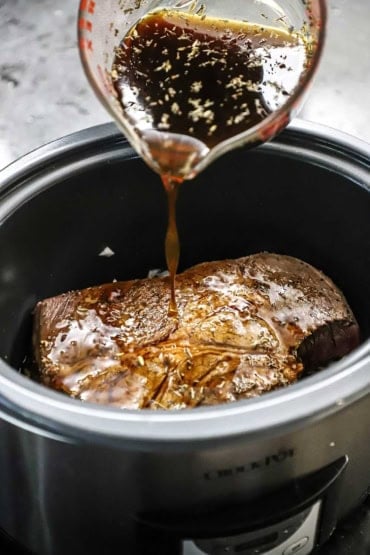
[[245, 327]]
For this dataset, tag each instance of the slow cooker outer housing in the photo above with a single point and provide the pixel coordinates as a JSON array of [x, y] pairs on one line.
[[72, 470]]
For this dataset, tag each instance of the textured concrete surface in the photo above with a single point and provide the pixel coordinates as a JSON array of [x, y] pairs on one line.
[[44, 93]]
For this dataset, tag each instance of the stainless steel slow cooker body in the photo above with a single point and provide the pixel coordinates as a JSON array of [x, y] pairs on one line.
[[82, 478]]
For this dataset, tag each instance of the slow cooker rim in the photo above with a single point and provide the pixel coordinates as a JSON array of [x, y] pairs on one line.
[[343, 145], [316, 397], [344, 382]]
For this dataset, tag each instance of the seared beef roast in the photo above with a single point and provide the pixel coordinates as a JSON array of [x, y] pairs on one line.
[[245, 326]]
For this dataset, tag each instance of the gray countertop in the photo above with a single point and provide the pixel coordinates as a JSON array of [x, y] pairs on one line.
[[44, 93]]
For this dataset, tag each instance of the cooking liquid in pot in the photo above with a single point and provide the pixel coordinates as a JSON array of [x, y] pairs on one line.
[[186, 83]]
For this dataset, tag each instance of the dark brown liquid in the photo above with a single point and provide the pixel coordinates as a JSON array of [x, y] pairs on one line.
[[172, 243], [203, 78], [187, 83]]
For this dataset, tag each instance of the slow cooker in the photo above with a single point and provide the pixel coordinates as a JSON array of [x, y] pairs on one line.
[[271, 475]]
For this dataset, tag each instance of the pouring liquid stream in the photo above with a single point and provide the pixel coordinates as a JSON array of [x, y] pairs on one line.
[[188, 83], [172, 242]]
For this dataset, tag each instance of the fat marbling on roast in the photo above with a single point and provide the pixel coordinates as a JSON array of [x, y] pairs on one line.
[[245, 327]]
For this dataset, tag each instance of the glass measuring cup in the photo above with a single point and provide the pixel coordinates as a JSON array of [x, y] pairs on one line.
[[104, 23]]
